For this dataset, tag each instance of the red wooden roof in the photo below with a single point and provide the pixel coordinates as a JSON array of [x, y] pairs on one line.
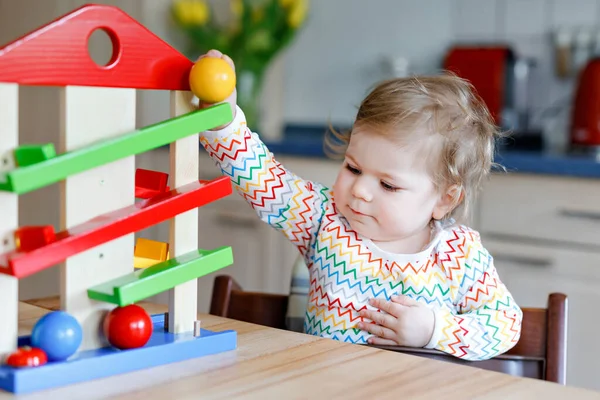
[[57, 54]]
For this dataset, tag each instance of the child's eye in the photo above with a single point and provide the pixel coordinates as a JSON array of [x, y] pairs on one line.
[[389, 187], [350, 168]]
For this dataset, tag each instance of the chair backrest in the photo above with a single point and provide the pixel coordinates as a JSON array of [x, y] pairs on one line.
[[544, 335], [541, 352], [230, 301]]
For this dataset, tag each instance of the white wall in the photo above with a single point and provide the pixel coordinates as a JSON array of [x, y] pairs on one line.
[[529, 26], [337, 57]]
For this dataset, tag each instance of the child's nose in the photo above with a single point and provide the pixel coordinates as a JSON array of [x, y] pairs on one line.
[[361, 191]]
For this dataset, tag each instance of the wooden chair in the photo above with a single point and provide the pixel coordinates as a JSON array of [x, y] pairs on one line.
[[541, 352], [229, 300]]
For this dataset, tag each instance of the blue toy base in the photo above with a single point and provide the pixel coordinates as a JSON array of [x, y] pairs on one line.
[[162, 348]]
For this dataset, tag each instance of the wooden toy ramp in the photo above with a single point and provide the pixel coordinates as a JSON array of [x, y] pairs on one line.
[[104, 199], [110, 226], [141, 60], [48, 170], [144, 283]]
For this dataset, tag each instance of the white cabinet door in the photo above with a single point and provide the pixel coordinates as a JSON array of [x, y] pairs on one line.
[[532, 272], [281, 257], [552, 209], [231, 222]]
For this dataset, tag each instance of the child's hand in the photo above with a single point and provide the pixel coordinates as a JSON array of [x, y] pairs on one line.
[[409, 322], [232, 99]]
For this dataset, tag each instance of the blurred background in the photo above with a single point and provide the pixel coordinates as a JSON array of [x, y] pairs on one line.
[[533, 62]]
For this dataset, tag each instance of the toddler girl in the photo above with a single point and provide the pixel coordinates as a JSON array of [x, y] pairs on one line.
[[389, 257]]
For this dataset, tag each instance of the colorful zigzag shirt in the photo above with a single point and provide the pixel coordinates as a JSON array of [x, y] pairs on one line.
[[476, 316]]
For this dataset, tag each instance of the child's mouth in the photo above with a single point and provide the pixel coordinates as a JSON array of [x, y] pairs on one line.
[[357, 212]]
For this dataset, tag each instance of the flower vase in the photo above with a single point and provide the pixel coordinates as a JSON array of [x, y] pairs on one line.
[[249, 87]]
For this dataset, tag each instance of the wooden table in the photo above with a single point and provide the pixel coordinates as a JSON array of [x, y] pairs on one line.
[[275, 364]]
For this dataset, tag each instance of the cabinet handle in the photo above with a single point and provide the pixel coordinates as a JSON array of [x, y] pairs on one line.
[[595, 216], [524, 260]]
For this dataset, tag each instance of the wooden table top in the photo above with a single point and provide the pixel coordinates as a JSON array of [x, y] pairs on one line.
[[275, 364]]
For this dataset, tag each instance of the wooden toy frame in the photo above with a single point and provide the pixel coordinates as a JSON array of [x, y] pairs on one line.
[[99, 187]]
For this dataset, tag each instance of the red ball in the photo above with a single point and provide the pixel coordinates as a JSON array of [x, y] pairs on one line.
[[27, 357], [128, 327]]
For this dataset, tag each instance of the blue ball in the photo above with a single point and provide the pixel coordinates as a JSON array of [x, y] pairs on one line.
[[58, 333]]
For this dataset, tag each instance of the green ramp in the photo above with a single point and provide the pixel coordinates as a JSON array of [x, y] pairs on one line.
[[58, 167], [147, 282]]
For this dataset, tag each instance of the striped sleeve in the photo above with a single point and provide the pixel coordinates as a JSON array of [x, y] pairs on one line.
[[292, 205], [488, 320]]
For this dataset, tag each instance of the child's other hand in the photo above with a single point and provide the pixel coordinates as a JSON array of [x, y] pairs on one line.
[[232, 99], [407, 322]]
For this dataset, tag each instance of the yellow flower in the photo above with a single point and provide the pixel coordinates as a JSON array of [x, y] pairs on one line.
[[297, 13], [180, 9], [192, 11], [237, 7], [200, 12], [258, 14]]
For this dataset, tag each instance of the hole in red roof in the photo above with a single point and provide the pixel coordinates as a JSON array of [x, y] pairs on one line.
[[103, 47]]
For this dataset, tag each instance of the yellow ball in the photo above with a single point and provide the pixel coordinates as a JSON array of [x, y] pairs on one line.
[[212, 79]]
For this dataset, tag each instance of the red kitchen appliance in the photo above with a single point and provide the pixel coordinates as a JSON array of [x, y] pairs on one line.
[[502, 80], [585, 117]]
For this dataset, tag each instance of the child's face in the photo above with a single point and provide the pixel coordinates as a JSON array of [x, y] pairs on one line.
[[385, 191]]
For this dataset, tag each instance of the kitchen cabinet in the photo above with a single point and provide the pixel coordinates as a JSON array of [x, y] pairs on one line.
[[532, 271], [544, 235], [542, 208]]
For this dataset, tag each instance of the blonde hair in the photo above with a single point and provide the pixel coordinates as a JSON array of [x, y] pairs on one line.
[[450, 110]]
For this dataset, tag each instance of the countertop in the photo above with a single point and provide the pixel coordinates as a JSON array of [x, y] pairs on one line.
[[307, 141]]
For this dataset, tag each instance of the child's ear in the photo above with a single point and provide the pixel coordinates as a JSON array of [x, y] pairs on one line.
[[448, 201]]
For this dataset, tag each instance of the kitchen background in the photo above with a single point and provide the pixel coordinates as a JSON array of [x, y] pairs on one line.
[[541, 221]]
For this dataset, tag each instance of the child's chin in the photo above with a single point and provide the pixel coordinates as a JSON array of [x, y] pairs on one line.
[[360, 228]]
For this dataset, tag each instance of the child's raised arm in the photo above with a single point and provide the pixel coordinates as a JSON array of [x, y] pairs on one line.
[[280, 198], [289, 204]]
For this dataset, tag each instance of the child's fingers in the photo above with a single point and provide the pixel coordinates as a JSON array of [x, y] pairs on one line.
[[390, 307], [381, 341], [214, 53], [379, 318], [229, 61], [211, 53], [377, 330]]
